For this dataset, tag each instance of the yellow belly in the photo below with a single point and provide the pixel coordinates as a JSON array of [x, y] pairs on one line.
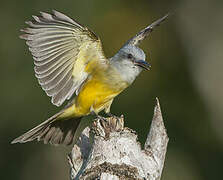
[[94, 95]]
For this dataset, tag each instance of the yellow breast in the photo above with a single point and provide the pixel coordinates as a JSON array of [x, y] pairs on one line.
[[94, 94]]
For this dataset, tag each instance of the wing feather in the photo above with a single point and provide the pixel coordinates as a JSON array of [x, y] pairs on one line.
[[146, 31], [61, 50], [52, 89], [62, 95], [51, 65], [56, 74], [48, 49], [48, 69], [45, 57]]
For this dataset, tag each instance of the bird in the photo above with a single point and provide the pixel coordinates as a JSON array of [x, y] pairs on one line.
[[70, 65]]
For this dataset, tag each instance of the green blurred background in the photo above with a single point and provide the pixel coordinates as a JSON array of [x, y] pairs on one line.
[[186, 56]]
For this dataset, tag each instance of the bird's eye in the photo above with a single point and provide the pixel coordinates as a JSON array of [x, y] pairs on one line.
[[129, 56]]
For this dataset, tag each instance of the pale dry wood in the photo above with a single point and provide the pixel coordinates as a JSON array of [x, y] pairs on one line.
[[110, 151]]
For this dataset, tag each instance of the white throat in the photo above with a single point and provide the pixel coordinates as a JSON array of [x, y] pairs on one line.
[[126, 69]]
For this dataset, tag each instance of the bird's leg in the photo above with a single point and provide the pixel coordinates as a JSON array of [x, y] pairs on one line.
[[112, 115], [108, 108], [94, 113], [101, 117]]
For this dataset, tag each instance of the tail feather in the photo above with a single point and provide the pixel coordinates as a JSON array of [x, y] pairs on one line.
[[53, 131], [60, 132]]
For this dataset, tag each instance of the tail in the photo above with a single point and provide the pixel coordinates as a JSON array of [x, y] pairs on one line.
[[53, 131]]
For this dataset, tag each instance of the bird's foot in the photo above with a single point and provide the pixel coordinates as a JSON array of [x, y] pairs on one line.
[[97, 115], [105, 126], [101, 118], [114, 116]]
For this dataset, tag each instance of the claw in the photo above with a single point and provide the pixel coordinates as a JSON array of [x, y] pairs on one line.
[[113, 116], [101, 118]]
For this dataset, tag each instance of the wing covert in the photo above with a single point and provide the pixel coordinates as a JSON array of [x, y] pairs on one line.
[[61, 49]]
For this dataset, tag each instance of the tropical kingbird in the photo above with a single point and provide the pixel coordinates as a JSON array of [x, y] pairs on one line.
[[69, 60]]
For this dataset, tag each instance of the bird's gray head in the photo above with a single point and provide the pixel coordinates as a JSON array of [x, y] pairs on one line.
[[130, 61]]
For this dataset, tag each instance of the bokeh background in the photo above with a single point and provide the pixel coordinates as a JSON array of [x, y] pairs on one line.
[[186, 54]]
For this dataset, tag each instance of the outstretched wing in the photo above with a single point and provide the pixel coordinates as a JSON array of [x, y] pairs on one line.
[[145, 32], [62, 50]]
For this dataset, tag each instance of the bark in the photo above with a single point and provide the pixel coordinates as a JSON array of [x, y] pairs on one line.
[[110, 151]]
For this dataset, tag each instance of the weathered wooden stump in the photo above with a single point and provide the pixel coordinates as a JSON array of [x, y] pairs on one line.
[[110, 151]]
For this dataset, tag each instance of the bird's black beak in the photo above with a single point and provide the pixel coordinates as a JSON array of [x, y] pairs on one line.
[[143, 64]]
